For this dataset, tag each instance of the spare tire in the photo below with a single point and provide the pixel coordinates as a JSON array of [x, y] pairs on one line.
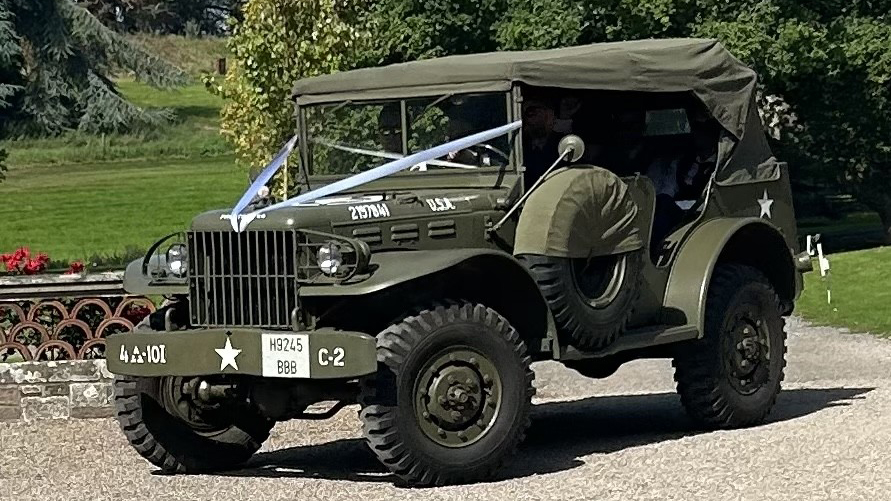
[[591, 299]]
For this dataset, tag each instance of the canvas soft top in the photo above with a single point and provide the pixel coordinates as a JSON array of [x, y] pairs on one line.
[[701, 66]]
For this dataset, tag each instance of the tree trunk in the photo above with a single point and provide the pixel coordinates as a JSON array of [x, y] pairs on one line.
[[885, 216]]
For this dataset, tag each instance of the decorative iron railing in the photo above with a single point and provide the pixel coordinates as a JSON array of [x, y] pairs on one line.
[[45, 317]]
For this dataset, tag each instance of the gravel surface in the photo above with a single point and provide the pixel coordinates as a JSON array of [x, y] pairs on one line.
[[621, 438]]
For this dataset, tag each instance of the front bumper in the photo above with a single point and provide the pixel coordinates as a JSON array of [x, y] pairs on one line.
[[319, 354]]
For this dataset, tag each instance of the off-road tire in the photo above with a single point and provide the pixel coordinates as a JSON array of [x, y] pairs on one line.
[[169, 443], [703, 368], [579, 323], [387, 399]]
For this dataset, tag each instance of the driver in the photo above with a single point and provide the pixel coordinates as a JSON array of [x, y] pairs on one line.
[[459, 126]]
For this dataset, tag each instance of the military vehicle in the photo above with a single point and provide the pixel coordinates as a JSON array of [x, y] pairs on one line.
[[455, 220]]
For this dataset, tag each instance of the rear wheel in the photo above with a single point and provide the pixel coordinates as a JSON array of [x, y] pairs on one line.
[[591, 299], [451, 397], [731, 377]]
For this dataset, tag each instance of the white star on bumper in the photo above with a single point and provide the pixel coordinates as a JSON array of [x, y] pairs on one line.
[[227, 355], [766, 204]]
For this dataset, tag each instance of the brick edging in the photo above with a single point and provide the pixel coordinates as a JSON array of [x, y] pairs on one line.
[[76, 389]]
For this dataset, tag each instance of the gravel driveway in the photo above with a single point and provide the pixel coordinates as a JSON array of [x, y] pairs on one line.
[[621, 438]]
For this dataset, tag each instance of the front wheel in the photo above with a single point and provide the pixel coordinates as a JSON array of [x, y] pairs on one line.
[[451, 397], [731, 377], [169, 427]]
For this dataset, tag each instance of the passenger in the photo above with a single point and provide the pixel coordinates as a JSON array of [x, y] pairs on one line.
[[629, 154], [540, 142], [564, 122], [705, 156], [389, 123]]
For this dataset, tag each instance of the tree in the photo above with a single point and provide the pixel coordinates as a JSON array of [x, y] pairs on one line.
[[2, 165], [276, 44], [55, 59], [181, 17]]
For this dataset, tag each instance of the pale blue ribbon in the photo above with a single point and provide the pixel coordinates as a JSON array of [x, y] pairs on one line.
[[240, 222], [261, 180]]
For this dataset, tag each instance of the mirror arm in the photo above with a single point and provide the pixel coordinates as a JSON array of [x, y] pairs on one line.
[[522, 199]]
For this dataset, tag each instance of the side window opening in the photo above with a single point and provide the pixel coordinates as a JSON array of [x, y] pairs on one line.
[[668, 137]]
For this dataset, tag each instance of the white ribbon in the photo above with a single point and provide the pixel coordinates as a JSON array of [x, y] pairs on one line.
[[392, 156], [378, 172]]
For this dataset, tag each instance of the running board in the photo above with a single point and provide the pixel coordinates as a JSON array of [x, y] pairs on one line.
[[643, 338]]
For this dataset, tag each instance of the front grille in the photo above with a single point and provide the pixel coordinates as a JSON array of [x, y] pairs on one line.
[[243, 279]]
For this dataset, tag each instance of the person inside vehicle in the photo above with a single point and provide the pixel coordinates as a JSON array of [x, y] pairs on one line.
[[389, 122], [458, 127], [704, 130], [540, 141]]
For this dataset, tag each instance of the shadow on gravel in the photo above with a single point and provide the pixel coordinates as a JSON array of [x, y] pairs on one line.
[[560, 434]]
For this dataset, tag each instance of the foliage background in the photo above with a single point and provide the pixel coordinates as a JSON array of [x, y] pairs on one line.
[[55, 65]]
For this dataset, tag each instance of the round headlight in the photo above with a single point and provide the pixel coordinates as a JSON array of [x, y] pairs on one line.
[[177, 260], [330, 258]]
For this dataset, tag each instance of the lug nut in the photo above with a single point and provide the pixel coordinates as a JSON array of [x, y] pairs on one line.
[[441, 432], [462, 435], [426, 415], [474, 362], [487, 379]]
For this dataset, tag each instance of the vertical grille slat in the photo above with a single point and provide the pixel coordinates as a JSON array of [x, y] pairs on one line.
[[243, 279]]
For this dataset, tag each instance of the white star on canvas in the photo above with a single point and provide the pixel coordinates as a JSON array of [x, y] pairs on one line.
[[227, 355], [766, 204]]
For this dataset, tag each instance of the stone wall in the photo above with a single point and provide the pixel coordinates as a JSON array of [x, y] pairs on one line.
[[76, 389]]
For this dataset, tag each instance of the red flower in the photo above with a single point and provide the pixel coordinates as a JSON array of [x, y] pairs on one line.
[[76, 267], [20, 262]]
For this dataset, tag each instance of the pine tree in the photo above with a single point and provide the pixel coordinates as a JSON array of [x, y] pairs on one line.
[[55, 61]]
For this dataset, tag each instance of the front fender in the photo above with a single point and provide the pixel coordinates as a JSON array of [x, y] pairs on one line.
[[136, 282], [751, 241]]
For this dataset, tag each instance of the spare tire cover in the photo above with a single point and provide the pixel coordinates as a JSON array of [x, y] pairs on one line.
[[579, 211]]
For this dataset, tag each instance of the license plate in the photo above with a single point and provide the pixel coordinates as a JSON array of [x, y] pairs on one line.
[[285, 355]]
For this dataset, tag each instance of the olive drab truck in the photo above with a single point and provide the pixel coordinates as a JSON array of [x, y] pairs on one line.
[[447, 223]]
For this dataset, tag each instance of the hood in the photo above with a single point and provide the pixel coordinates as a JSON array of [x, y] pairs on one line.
[[356, 209]]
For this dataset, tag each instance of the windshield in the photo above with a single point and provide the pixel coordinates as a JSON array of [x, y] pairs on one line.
[[346, 138]]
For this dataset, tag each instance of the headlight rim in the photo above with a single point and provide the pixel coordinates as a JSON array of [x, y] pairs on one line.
[[183, 259]]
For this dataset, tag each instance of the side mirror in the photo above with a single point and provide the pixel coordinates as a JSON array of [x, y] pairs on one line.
[[571, 147]]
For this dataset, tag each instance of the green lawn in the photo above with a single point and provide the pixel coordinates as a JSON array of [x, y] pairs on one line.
[[77, 196], [77, 211], [861, 295], [195, 133]]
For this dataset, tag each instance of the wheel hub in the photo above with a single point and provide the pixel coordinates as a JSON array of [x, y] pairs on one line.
[[181, 397], [749, 354], [457, 397]]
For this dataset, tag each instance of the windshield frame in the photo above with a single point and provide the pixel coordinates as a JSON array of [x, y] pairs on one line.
[[514, 137]]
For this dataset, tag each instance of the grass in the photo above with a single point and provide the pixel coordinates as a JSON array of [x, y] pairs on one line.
[[195, 134], [75, 211], [80, 196], [861, 298], [192, 55]]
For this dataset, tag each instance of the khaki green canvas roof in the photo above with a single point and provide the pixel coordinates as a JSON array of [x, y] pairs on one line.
[[701, 66]]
